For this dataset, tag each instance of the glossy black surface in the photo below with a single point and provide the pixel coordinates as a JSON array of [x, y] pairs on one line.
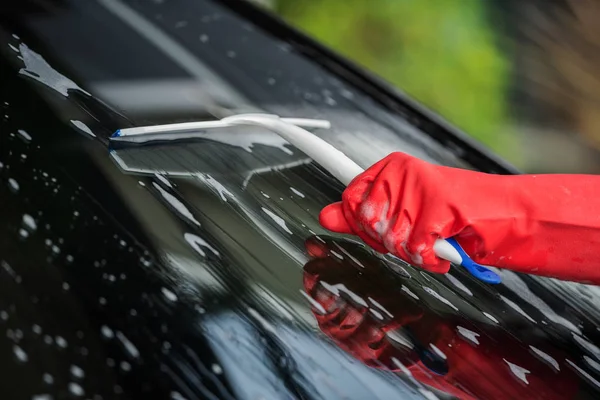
[[178, 282]]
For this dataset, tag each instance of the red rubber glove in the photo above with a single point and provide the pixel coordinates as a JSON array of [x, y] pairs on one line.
[[539, 224]]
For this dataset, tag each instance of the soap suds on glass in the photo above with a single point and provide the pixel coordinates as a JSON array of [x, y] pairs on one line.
[[517, 308], [546, 358], [76, 389], [315, 304], [24, 135], [130, 347], [176, 204], [491, 317], [77, 372], [83, 127], [519, 372], [278, 220], [169, 294], [20, 354], [439, 297], [29, 222], [13, 185], [341, 288], [459, 284], [468, 334], [38, 69], [297, 192], [197, 243]]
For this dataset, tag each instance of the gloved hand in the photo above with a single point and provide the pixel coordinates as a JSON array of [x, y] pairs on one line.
[[539, 224]]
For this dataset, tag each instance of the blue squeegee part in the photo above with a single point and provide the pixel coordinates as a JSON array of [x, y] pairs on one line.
[[477, 270]]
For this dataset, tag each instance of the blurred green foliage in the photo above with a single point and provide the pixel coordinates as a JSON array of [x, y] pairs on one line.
[[443, 53]]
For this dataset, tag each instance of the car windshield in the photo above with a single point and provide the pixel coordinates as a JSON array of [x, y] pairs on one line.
[[198, 269]]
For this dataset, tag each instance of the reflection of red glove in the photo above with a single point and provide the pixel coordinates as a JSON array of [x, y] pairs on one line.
[[382, 327], [540, 224]]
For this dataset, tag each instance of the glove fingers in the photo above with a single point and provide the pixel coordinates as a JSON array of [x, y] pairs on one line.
[[420, 247], [356, 226], [332, 218]]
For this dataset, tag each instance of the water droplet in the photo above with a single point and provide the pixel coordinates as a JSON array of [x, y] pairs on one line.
[[69, 258], [204, 38], [76, 389], [145, 261], [347, 94], [24, 135], [37, 329], [55, 249], [48, 379], [141, 183], [18, 334], [83, 127], [76, 213], [102, 301], [77, 372], [61, 342], [110, 362], [130, 347], [168, 294], [122, 243], [216, 368], [41, 397], [13, 185], [297, 192], [177, 396], [20, 354], [125, 366], [231, 54], [47, 339], [271, 81], [23, 233]]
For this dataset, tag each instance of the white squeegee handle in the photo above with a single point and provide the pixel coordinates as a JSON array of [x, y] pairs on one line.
[[330, 158]]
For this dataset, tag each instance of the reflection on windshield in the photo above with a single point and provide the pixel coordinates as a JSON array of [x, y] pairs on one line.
[[388, 329]]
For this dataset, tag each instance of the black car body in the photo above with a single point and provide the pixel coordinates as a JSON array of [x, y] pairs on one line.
[[210, 284]]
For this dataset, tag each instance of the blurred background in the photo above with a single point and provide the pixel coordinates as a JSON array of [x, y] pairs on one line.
[[521, 77]]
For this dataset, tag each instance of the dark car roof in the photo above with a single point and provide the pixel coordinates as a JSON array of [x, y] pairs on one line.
[[199, 285]]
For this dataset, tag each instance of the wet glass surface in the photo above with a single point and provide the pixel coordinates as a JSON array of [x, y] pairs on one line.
[[197, 272]]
